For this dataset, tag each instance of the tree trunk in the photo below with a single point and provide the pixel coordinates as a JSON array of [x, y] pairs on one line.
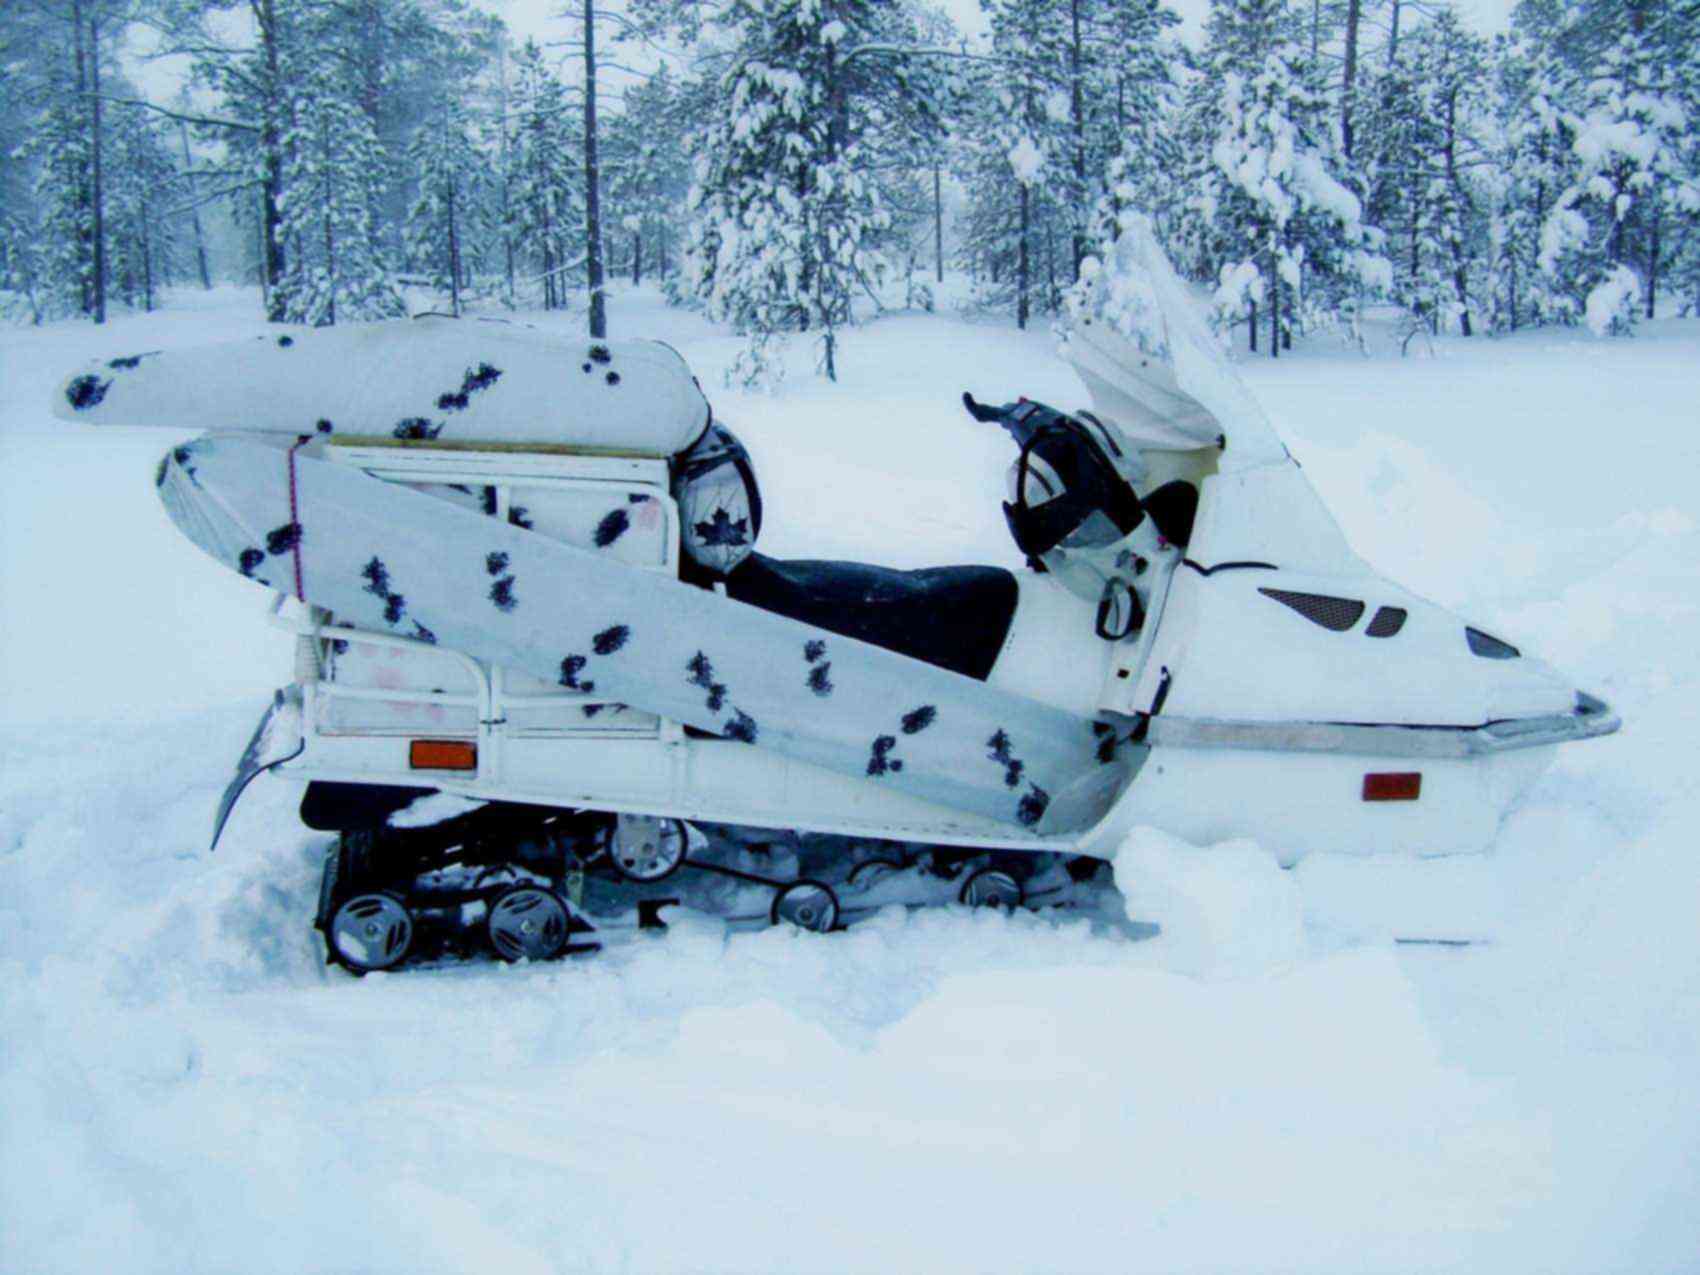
[[938, 221], [85, 185], [147, 260], [1077, 117], [454, 257], [1653, 262], [329, 320], [1354, 14], [507, 224], [637, 257], [271, 144], [592, 183], [99, 192], [1021, 265], [1251, 326], [1275, 310], [195, 214], [1459, 279], [1393, 37], [1511, 291]]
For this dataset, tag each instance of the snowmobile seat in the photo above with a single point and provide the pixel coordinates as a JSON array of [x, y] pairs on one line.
[[1174, 508], [954, 617]]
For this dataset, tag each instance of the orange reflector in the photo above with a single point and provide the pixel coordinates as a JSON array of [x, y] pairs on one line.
[[442, 754], [1398, 787]]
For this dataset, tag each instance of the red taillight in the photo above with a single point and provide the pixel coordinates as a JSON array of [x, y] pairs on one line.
[[1406, 786], [442, 754]]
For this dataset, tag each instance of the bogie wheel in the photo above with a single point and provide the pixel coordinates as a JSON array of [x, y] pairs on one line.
[[370, 932], [991, 888], [528, 923], [808, 905], [870, 872], [645, 848]]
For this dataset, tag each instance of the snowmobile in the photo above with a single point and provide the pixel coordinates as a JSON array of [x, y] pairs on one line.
[[546, 688]]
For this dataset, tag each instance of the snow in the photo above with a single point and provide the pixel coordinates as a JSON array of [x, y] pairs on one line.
[[1026, 159], [438, 807], [1268, 1084], [1612, 300]]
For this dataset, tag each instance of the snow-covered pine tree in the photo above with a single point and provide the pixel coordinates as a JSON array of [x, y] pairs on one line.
[[331, 159], [1293, 234], [1633, 149], [1136, 108], [784, 219], [69, 43], [50, 252], [1079, 90], [143, 187], [1016, 164], [648, 170], [1532, 163], [544, 213], [1427, 151], [451, 212]]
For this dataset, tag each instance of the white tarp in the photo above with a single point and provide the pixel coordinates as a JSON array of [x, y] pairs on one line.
[[431, 378]]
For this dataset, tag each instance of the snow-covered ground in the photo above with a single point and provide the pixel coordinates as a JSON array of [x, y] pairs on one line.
[[1267, 1086]]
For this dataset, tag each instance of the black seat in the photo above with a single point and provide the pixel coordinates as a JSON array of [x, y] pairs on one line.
[[954, 617], [1174, 508]]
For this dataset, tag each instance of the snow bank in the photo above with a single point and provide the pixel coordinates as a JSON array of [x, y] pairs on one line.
[[1228, 910]]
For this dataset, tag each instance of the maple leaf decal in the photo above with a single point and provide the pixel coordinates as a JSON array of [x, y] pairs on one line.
[[722, 530]]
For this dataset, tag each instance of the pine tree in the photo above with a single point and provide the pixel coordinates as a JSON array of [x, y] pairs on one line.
[[1134, 121], [52, 251], [1426, 145], [66, 153], [451, 211], [544, 212], [1291, 233], [649, 170], [785, 221], [331, 160], [1531, 163], [1623, 99], [143, 186]]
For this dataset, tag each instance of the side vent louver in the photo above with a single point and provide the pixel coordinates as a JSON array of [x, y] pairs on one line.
[[1489, 647], [1338, 614], [1386, 622]]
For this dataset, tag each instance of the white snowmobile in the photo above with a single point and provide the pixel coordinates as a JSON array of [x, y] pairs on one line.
[[546, 688]]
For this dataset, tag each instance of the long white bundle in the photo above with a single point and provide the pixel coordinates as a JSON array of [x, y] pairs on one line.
[[451, 380]]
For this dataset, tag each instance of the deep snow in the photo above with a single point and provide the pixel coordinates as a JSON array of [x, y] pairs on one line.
[[1269, 1085]]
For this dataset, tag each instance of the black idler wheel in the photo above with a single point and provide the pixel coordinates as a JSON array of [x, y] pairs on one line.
[[808, 905]]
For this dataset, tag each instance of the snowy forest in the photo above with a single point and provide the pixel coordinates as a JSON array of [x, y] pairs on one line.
[[792, 167]]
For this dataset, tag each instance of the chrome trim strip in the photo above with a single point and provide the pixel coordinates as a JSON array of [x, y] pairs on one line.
[[1590, 719]]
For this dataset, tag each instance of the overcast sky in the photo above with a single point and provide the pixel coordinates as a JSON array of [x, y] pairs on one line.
[[162, 79], [535, 17]]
